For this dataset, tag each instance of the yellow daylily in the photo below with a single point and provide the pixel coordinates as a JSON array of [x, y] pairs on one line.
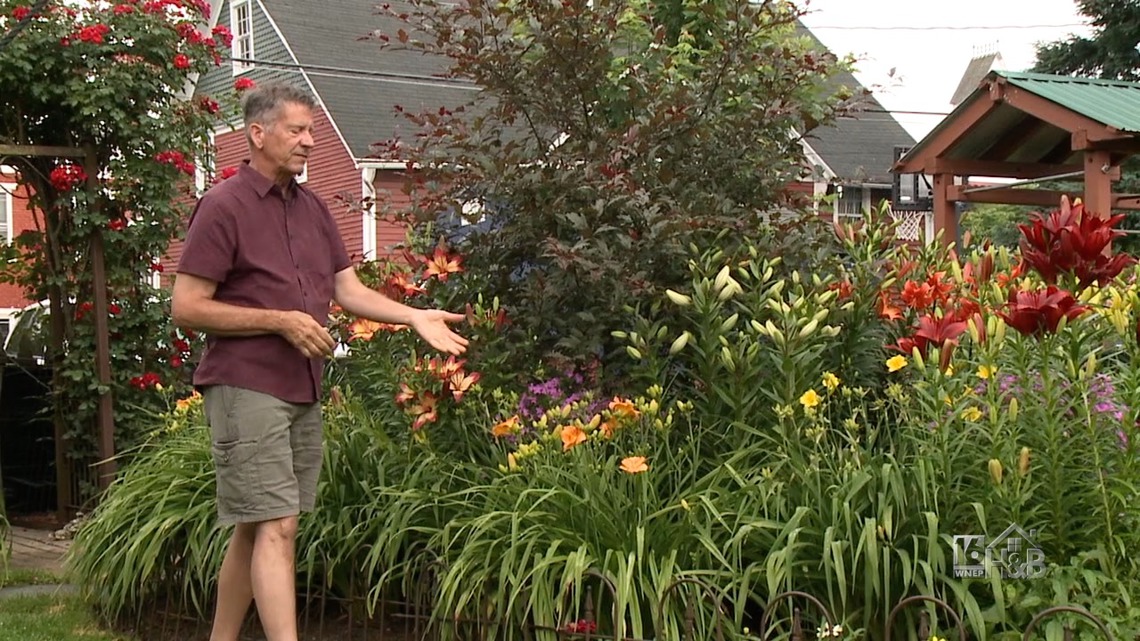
[[972, 414], [830, 381], [895, 363], [809, 399]]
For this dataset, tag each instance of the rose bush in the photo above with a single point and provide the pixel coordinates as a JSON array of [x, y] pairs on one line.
[[108, 77]]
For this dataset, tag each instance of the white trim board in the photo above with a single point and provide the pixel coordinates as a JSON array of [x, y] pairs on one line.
[[308, 81]]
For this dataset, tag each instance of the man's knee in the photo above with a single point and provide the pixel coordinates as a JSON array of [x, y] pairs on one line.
[[245, 532], [277, 531]]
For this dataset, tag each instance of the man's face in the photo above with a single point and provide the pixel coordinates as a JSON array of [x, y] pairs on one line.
[[286, 140]]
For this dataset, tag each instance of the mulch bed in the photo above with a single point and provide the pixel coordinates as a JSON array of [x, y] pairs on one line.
[[160, 626]]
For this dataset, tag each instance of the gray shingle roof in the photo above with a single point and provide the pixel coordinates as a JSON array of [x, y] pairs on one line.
[[859, 148], [359, 83], [975, 73]]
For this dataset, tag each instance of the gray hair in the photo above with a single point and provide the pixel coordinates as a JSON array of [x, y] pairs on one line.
[[262, 103]]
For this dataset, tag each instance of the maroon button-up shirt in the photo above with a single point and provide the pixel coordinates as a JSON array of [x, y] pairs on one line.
[[267, 251]]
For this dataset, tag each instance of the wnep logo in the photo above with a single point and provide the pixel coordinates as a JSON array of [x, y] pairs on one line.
[[1013, 553]]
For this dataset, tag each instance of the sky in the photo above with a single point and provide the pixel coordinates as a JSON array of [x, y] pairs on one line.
[[929, 44]]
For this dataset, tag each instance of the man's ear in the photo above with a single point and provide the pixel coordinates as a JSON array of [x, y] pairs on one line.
[[256, 134]]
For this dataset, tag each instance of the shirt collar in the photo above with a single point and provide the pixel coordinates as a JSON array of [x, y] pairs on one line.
[[261, 185]]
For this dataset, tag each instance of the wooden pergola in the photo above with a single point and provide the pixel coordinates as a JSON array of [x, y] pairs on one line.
[[1035, 128]]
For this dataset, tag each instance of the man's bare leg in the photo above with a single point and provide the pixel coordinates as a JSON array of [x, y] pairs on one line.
[[235, 591], [274, 576]]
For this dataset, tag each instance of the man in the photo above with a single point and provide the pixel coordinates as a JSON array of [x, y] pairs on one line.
[[261, 263]]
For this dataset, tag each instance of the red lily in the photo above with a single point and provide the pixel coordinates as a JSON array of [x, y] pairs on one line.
[[1040, 312], [1073, 241], [844, 287], [917, 296], [401, 285], [887, 310], [942, 332]]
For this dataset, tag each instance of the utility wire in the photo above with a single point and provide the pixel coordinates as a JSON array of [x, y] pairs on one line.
[[348, 72], [943, 28], [391, 76]]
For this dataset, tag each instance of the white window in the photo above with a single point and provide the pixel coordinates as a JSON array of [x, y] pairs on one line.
[[241, 24], [853, 200], [7, 227]]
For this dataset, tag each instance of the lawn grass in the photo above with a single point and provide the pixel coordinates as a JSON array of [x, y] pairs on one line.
[[50, 618], [14, 576]]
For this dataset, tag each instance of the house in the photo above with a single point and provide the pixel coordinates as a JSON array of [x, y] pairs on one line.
[[358, 87], [853, 157], [984, 61], [15, 217]]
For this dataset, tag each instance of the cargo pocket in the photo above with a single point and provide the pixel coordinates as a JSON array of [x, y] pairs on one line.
[[236, 475]]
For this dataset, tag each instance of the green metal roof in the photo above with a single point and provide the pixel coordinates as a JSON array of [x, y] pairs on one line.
[[1112, 102]]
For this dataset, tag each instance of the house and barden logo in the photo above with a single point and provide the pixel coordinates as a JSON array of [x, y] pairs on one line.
[[1013, 553]]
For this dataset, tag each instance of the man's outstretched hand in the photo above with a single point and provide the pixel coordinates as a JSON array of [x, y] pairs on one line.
[[431, 325]]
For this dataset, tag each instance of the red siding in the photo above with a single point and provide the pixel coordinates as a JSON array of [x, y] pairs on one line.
[[22, 220], [332, 175], [389, 186]]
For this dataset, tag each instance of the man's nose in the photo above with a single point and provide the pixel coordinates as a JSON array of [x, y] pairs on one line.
[[307, 139]]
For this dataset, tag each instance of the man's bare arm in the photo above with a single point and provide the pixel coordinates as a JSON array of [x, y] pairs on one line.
[[431, 324], [193, 306]]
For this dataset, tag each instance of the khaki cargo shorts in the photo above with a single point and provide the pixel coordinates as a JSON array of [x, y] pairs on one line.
[[267, 454]]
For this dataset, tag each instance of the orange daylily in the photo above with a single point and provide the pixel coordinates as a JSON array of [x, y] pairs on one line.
[[634, 465], [506, 428], [184, 404], [441, 264], [460, 382], [608, 427], [623, 408], [363, 329], [572, 436]]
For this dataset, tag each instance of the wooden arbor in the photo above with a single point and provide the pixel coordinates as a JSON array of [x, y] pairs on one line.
[[1036, 128], [67, 485]]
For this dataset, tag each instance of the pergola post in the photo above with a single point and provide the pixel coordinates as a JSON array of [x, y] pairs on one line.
[[1098, 183], [945, 214], [105, 418]]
